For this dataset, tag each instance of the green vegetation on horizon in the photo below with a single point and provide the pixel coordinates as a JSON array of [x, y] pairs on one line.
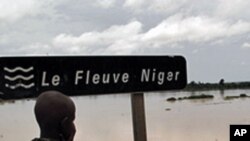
[[192, 86]]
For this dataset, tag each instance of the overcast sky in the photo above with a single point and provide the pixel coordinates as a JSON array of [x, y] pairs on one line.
[[213, 35]]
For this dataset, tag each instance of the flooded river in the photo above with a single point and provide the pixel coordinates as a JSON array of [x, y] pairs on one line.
[[108, 117]]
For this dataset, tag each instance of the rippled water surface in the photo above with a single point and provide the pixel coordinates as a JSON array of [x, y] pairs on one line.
[[108, 117]]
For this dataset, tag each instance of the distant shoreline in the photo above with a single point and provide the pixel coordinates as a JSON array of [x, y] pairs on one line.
[[193, 86]]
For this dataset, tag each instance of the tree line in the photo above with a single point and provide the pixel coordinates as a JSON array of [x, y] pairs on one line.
[[214, 86]]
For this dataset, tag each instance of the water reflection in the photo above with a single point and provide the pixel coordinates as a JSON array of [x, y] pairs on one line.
[[222, 91], [108, 117]]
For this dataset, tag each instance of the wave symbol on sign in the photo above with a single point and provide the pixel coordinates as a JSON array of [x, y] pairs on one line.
[[18, 69], [18, 81]]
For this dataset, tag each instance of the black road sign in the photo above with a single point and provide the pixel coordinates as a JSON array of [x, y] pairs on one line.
[[22, 77]]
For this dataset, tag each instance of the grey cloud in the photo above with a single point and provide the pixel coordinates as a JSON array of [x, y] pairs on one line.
[[213, 35], [195, 29], [11, 11], [91, 42], [105, 3], [246, 45], [123, 39]]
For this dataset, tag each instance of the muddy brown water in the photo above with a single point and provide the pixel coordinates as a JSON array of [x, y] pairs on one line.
[[108, 117]]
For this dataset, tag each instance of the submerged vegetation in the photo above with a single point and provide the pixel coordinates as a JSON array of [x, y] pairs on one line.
[[236, 97], [202, 96], [221, 85], [2, 102], [205, 96]]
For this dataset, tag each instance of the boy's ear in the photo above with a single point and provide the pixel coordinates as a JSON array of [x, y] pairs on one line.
[[64, 126], [67, 129], [65, 121]]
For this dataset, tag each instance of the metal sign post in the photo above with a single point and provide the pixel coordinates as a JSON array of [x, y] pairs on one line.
[[138, 117]]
